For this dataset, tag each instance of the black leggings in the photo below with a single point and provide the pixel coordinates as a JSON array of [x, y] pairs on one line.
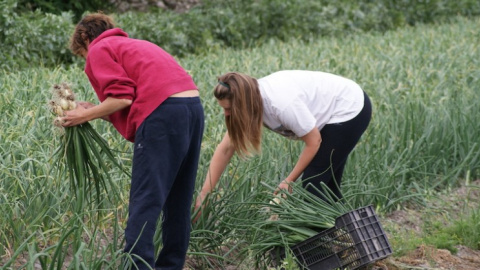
[[338, 141]]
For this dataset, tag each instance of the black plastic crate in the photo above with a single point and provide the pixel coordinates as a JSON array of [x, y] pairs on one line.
[[356, 240]]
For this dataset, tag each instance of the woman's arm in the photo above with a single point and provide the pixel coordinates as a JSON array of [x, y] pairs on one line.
[[88, 105], [220, 159], [312, 141], [81, 115]]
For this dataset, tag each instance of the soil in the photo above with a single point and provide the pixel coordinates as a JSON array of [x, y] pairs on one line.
[[411, 221]]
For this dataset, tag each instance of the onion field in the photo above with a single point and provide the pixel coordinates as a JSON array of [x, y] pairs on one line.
[[424, 83]]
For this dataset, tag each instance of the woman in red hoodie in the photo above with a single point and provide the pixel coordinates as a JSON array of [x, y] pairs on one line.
[[154, 103]]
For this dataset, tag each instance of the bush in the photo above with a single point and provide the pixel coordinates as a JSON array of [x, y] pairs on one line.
[[59, 6], [250, 23], [36, 37], [427, 11], [33, 38]]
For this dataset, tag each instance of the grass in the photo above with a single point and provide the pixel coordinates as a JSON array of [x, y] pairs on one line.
[[423, 139]]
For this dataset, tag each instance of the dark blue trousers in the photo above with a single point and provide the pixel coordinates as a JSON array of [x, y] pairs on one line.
[[338, 141], [165, 162]]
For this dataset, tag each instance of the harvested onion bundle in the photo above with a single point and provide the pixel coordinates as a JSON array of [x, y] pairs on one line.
[[63, 100], [82, 151]]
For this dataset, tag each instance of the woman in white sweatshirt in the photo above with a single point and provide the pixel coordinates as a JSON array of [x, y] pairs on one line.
[[329, 113]]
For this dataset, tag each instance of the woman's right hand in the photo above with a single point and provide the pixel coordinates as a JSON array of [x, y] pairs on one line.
[[198, 206], [220, 159], [85, 104]]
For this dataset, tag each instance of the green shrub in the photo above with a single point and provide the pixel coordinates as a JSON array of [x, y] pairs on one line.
[[38, 37], [426, 11], [59, 6], [249, 23], [33, 37]]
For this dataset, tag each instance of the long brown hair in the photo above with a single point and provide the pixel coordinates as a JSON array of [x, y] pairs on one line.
[[244, 124], [89, 28]]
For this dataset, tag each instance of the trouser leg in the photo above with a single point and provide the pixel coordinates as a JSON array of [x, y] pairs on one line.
[[176, 212], [163, 145]]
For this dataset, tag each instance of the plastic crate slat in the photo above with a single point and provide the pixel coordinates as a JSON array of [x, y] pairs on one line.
[[356, 240]]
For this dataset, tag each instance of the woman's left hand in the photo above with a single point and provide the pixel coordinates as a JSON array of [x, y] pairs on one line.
[[312, 140], [284, 185]]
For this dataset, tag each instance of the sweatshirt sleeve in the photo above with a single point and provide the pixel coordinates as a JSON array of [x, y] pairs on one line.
[[297, 118], [111, 79]]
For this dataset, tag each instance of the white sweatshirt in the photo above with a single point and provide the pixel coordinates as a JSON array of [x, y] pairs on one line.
[[296, 101]]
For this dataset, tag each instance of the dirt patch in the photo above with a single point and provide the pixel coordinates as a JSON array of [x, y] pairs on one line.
[[427, 257], [407, 219], [411, 222]]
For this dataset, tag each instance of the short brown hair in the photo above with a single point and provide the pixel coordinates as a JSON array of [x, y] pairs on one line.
[[244, 124], [89, 28]]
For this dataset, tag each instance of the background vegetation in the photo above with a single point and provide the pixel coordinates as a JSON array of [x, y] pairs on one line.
[[37, 32], [423, 138]]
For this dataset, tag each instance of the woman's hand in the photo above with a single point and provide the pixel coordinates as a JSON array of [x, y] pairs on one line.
[[199, 206], [312, 141], [85, 104], [81, 114], [221, 157], [74, 117], [284, 185], [88, 105]]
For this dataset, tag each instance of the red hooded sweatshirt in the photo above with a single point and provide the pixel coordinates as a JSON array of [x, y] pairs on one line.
[[125, 68]]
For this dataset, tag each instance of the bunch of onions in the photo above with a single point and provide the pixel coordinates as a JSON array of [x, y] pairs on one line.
[[63, 100], [82, 152]]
